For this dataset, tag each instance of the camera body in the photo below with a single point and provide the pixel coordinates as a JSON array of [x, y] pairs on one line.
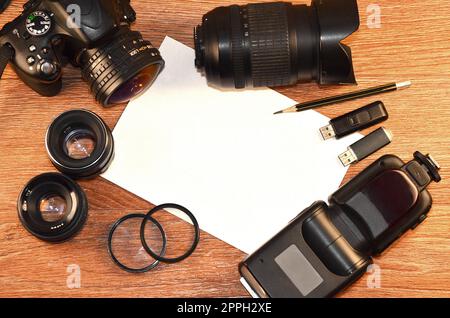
[[92, 35], [327, 247]]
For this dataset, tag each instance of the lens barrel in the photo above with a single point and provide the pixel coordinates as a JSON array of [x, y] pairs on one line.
[[277, 44], [70, 211], [121, 69], [80, 144]]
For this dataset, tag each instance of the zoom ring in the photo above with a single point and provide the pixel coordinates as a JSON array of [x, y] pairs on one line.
[[237, 47], [269, 44]]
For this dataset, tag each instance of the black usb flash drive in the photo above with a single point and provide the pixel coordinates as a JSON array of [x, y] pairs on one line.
[[327, 247], [356, 120], [366, 146]]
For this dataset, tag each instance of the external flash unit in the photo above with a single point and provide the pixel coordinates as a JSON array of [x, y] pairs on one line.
[[329, 246]]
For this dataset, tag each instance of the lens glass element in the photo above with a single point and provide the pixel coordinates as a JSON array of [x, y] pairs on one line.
[[135, 86], [80, 145], [124, 244], [52, 208]]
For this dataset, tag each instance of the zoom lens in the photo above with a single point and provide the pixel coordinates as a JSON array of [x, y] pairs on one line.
[[122, 69], [52, 207], [277, 44], [80, 144]]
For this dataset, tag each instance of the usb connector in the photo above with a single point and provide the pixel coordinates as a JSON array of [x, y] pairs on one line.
[[328, 132], [357, 120], [366, 146], [348, 157]]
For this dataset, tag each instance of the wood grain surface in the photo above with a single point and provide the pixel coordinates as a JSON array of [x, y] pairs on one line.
[[413, 43]]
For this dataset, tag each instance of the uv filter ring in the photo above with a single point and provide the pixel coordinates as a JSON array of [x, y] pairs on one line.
[[161, 257], [116, 260]]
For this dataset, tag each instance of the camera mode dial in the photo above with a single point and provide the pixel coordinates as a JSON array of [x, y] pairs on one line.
[[38, 23]]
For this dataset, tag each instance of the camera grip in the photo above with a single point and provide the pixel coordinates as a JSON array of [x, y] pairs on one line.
[[39, 83]]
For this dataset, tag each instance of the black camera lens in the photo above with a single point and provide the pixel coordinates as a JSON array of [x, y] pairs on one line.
[[277, 44], [121, 69], [80, 144], [52, 207]]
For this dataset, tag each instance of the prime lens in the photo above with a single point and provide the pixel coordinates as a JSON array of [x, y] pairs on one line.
[[121, 69], [80, 144], [277, 44], [52, 207]]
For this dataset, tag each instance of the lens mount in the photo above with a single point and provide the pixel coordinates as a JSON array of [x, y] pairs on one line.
[[52, 193], [121, 69], [80, 144]]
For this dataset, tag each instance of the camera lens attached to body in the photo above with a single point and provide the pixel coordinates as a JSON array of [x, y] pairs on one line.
[[52, 207], [122, 69], [277, 44], [80, 144]]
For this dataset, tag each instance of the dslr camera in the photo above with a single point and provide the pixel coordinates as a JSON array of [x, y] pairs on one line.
[[95, 36]]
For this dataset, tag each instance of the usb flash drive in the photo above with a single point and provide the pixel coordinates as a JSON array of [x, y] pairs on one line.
[[366, 146], [354, 121]]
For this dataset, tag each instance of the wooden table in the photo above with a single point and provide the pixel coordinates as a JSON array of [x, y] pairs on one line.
[[413, 43]]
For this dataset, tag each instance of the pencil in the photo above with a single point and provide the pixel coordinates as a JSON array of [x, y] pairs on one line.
[[346, 97]]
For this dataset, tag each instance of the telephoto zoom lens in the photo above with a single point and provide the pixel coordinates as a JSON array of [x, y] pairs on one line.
[[80, 144], [277, 44], [52, 207]]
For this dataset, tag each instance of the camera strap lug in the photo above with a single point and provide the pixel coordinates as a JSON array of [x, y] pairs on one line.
[[6, 54], [4, 4]]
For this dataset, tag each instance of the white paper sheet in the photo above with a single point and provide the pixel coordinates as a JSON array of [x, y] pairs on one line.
[[242, 171]]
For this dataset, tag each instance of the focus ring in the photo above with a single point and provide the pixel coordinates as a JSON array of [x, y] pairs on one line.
[[108, 67], [237, 49], [105, 64], [269, 44]]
